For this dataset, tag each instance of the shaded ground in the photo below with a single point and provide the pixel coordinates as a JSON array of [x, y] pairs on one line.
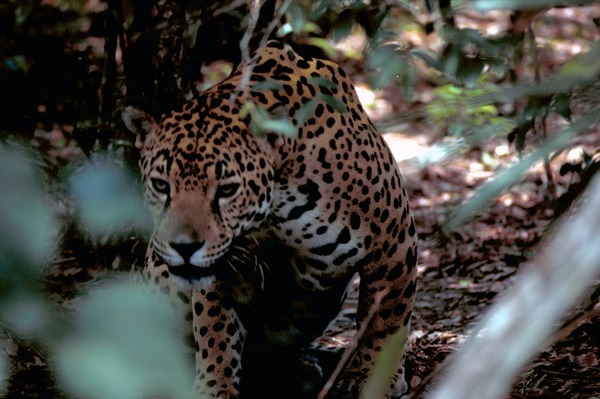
[[460, 277]]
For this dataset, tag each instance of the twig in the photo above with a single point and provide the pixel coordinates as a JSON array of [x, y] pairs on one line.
[[540, 121], [226, 8], [244, 43], [352, 347]]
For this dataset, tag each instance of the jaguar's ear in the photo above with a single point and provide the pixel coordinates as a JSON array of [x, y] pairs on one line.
[[140, 123]]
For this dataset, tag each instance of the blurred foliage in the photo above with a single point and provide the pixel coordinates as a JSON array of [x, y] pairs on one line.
[[112, 350], [376, 385], [28, 236], [63, 67], [454, 111], [107, 347], [108, 200]]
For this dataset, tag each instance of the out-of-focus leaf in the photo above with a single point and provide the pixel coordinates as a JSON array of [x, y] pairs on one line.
[[323, 44], [426, 56], [489, 160], [322, 82], [463, 37], [582, 68], [386, 364], [536, 105], [124, 345], [562, 105], [16, 63], [455, 110], [343, 25], [464, 138], [106, 199], [267, 84], [517, 135], [28, 228], [450, 59], [296, 18], [337, 104], [262, 123], [306, 110], [470, 69], [318, 8], [128, 12], [26, 313], [280, 126], [385, 64], [429, 4]]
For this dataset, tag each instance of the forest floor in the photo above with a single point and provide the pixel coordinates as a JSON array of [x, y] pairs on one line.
[[459, 275]]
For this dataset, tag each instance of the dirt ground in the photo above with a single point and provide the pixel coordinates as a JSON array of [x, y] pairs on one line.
[[461, 275]]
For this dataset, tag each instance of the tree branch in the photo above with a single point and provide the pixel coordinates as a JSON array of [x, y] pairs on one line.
[[515, 328]]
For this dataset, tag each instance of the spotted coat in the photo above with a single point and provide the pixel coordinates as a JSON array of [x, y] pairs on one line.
[[258, 234]]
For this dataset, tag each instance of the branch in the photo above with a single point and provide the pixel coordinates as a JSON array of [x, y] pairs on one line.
[[349, 351], [517, 327]]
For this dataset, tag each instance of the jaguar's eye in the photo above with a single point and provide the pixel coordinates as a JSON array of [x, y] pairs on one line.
[[159, 185], [227, 190]]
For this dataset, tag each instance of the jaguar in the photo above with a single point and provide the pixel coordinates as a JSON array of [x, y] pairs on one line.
[[259, 231]]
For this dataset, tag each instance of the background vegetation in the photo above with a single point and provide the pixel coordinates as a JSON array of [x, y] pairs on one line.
[[67, 165]]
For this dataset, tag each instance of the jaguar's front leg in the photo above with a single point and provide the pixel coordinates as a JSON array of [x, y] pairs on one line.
[[219, 337], [385, 305]]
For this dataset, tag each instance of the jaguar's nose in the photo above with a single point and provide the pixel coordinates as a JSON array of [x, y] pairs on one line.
[[186, 250]]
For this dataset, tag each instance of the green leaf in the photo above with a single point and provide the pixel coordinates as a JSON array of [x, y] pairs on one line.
[[16, 63], [386, 365], [280, 126], [322, 82], [382, 56], [336, 103], [426, 56], [267, 84], [28, 228], [342, 27], [580, 70], [295, 17], [262, 123], [306, 110], [124, 346], [106, 199], [386, 64], [323, 44], [562, 105]]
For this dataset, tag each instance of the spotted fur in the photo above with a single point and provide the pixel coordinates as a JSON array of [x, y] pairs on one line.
[[258, 234]]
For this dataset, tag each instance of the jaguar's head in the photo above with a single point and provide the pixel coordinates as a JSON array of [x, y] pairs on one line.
[[206, 182]]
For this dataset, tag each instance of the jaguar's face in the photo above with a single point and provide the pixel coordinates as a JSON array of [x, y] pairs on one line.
[[206, 182]]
